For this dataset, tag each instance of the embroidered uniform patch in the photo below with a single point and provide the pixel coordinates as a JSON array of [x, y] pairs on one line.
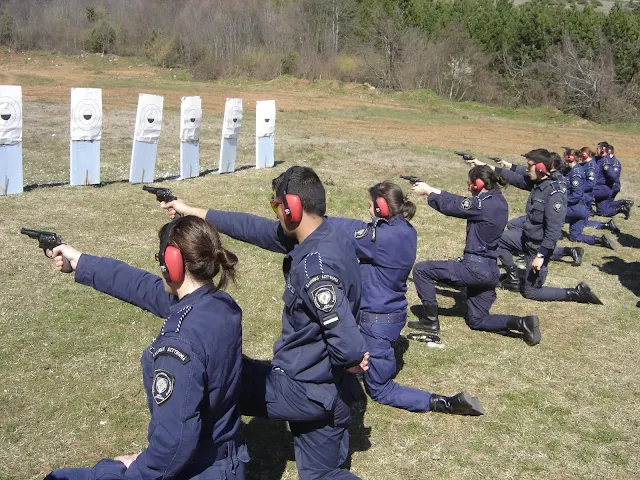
[[361, 233], [591, 176], [324, 298], [172, 351], [465, 204], [330, 321], [575, 183], [557, 206], [323, 277], [162, 387], [606, 167]]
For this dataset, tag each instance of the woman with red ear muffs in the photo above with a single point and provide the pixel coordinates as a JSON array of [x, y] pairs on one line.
[[191, 370], [486, 211], [386, 249]]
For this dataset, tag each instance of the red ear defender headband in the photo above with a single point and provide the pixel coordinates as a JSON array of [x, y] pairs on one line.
[[170, 258], [478, 184], [584, 155], [380, 205], [291, 204], [541, 168]]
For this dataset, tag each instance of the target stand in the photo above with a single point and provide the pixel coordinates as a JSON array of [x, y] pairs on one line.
[[190, 124], [230, 131], [265, 133], [11, 179], [145, 139]]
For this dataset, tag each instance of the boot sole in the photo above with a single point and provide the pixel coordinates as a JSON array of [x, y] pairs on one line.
[[422, 328], [593, 299], [473, 404], [536, 335]]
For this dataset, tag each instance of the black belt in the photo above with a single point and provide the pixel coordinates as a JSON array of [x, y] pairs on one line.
[[395, 317], [478, 259]]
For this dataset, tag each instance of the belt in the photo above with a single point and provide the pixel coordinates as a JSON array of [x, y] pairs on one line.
[[478, 259], [395, 317]]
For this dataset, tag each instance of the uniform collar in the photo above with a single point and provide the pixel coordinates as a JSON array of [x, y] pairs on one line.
[[192, 297], [544, 183], [309, 243]]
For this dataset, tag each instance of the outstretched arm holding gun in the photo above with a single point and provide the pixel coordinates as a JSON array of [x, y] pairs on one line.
[[47, 241], [163, 195]]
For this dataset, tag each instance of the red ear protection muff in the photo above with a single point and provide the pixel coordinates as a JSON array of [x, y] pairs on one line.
[[584, 155], [478, 184], [380, 205], [170, 258], [291, 204], [541, 168]]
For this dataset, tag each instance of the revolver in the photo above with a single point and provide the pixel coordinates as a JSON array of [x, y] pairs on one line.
[[495, 159], [48, 241], [465, 156], [411, 178], [162, 194]]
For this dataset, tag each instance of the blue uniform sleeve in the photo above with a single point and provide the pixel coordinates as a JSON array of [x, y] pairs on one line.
[[258, 231], [519, 169], [522, 182], [611, 171], [325, 297], [576, 188], [360, 232], [177, 393], [455, 205], [554, 214], [116, 278]]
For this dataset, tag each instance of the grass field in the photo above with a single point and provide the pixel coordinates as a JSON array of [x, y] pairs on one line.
[[69, 357]]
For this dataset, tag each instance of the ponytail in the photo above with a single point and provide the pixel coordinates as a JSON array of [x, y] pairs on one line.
[[492, 179]]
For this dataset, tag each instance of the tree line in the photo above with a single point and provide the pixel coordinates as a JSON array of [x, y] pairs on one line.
[[567, 53]]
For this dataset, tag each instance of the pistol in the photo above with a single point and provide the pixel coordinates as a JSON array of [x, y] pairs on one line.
[[465, 156], [412, 179], [162, 194], [48, 241], [495, 159], [567, 148]]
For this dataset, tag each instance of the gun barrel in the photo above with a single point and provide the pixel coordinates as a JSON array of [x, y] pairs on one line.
[[150, 189], [34, 233]]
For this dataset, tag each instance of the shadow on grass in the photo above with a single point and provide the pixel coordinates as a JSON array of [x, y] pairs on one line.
[[627, 240], [628, 273], [270, 447]]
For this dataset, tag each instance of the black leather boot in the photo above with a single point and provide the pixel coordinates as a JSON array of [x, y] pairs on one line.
[[625, 209], [462, 403], [511, 280], [606, 242], [528, 326], [427, 318], [582, 294], [576, 253], [612, 227]]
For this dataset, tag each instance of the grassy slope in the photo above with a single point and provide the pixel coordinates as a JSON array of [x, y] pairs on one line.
[[71, 390]]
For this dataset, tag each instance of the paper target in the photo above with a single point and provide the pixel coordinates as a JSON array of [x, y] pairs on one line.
[[10, 115], [265, 118], [232, 118], [86, 114], [148, 118], [191, 119]]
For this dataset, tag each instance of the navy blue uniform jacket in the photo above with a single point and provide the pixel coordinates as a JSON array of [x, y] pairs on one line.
[[191, 370]]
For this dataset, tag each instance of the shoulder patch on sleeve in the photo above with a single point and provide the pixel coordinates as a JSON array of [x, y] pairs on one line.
[[162, 388], [172, 351], [324, 298], [363, 232], [557, 206], [575, 183], [330, 321], [606, 167], [321, 278], [465, 204]]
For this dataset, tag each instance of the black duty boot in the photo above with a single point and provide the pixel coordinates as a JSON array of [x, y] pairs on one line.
[[612, 227], [576, 253], [582, 294], [427, 318], [625, 209], [528, 326], [511, 280], [462, 403], [606, 242]]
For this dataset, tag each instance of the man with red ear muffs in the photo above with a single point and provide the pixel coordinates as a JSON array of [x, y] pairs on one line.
[[321, 345], [191, 370]]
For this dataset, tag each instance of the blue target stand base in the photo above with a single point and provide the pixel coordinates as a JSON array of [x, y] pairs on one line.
[[11, 181], [228, 155], [265, 152], [85, 163], [143, 162], [189, 160]]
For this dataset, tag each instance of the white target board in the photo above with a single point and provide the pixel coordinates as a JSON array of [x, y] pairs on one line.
[[145, 138], [11, 180], [265, 133], [190, 124], [86, 132], [231, 124]]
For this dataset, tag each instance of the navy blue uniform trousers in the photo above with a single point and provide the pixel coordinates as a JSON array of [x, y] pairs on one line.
[[320, 437], [479, 274], [513, 241], [379, 332]]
